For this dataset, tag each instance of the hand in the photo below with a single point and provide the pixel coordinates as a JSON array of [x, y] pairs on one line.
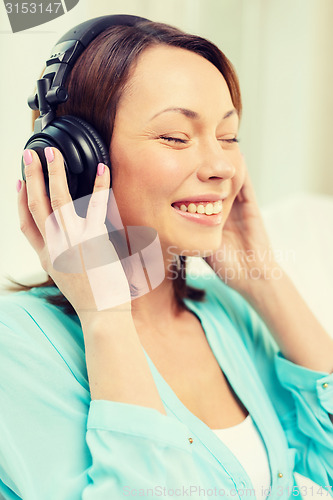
[[71, 249], [245, 255]]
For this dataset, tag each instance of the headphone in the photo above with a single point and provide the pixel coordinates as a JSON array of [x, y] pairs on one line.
[[80, 144]]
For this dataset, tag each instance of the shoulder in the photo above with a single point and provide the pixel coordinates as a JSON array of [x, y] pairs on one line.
[[30, 324], [27, 310]]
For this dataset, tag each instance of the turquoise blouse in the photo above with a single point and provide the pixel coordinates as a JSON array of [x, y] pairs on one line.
[[57, 444]]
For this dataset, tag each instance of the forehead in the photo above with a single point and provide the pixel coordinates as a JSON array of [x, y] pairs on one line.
[[165, 75]]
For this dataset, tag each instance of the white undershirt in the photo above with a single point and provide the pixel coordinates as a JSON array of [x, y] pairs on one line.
[[246, 444]]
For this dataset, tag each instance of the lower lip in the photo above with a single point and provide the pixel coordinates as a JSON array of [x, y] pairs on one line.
[[206, 220]]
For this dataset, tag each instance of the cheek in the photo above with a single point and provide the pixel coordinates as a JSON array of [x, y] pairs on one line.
[[155, 174], [162, 166], [150, 182]]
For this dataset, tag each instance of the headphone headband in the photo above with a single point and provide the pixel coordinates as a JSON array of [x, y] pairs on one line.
[[80, 143], [88, 30], [51, 89]]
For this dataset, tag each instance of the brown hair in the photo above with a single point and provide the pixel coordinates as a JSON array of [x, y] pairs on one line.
[[95, 86]]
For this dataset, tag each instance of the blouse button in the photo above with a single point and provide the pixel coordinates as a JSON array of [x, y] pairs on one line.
[[325, 385], [190, 440], [280, 474]]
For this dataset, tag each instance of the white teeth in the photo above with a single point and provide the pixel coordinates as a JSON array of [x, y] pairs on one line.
[[209, 209], [192, 208], [217, 207]]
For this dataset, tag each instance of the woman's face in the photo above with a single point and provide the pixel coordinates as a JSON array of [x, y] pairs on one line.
[[173, 141]]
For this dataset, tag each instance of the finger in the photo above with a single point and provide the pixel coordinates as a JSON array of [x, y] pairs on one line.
[[247, 190], [35, 192], [61, 200], [27, 222], [58, 186], [98, 203], [240, 196]]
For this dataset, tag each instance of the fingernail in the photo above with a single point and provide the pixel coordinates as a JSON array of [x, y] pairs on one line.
[[49, 154], [18, 185], [27, 157], [100, 169]]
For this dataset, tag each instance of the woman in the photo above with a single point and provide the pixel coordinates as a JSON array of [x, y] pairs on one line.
[[143, 397]]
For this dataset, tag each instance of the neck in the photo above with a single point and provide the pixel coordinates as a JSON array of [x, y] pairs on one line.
[[159, 305]]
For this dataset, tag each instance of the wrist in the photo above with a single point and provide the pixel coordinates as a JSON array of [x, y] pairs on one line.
[[92, 321], [263, 282]]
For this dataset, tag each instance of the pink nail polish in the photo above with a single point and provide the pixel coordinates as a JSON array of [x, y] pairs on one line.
[[27, 157], [18, 185], [49, 154], [100, 169]]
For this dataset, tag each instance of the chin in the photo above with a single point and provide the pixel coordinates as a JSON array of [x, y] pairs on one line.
[[191, 248]]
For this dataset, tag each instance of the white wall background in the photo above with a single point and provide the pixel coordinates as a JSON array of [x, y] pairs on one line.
[[282, 52], [23, 57]]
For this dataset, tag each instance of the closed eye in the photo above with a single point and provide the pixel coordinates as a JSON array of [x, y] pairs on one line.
[[234, 139], [173, 139], [177, 140]]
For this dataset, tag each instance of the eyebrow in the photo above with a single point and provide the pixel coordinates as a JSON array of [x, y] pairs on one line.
[[191, 114]]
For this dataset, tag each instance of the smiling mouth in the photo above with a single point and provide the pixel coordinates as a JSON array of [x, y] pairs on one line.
[[203, 207]]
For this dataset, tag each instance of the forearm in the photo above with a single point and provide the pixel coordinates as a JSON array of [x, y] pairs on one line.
[[296, 330], [116, 364]]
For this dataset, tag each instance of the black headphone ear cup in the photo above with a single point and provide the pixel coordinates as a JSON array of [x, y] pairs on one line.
[[81, 147], [96, 140], [91, 147]]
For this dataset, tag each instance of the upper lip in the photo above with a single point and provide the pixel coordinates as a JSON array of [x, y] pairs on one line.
[[203, 197]]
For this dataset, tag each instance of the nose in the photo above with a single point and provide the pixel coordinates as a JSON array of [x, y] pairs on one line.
[[214, 162]]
